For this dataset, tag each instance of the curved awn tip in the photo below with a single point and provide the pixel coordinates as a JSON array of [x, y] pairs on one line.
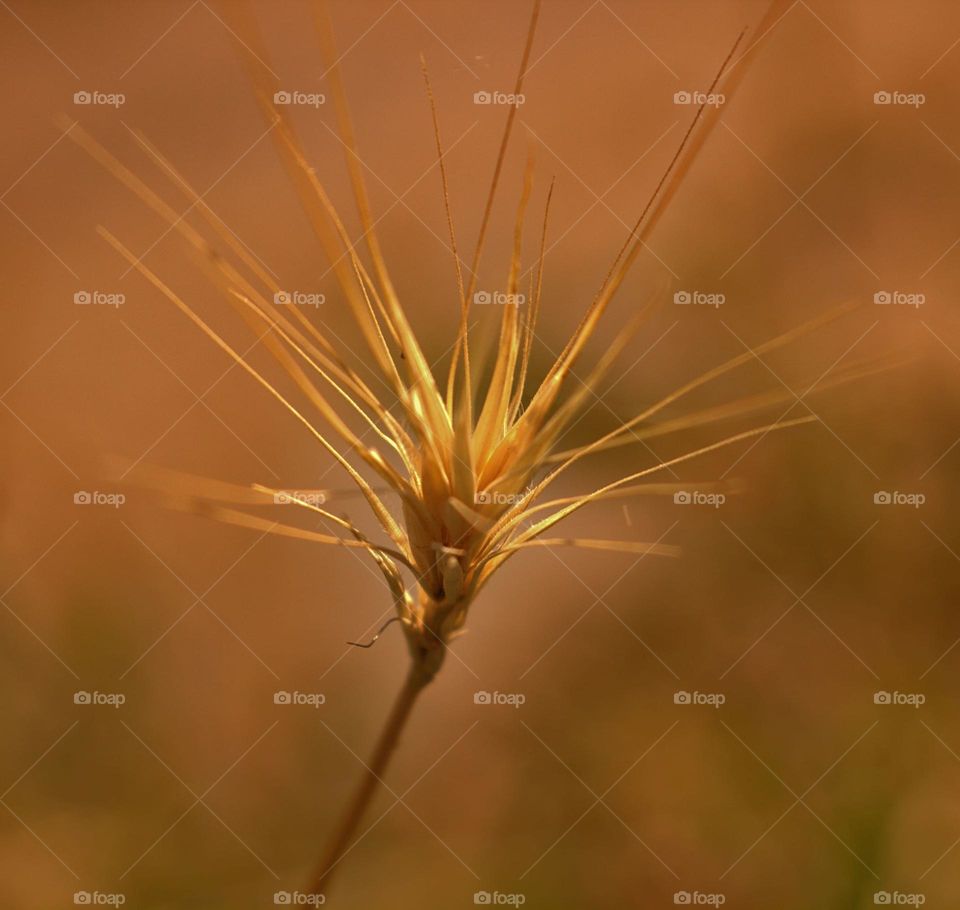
[[370, 644]]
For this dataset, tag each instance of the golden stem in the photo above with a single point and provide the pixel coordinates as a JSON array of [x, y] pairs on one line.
[[343, 840]]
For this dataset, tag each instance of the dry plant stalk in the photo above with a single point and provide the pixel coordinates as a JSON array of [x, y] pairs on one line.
[[470, 465]]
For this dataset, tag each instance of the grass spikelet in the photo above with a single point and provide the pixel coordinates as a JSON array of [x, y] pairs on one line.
[[468, 464]]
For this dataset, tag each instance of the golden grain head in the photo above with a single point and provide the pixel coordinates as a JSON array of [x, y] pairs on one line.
[[469, 463]]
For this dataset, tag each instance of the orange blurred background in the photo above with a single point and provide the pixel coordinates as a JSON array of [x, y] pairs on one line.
[[798, 600]]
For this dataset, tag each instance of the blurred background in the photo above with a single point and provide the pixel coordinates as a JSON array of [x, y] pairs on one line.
[[794, 602]]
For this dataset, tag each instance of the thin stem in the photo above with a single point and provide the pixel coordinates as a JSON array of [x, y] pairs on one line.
[[343, 838]]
